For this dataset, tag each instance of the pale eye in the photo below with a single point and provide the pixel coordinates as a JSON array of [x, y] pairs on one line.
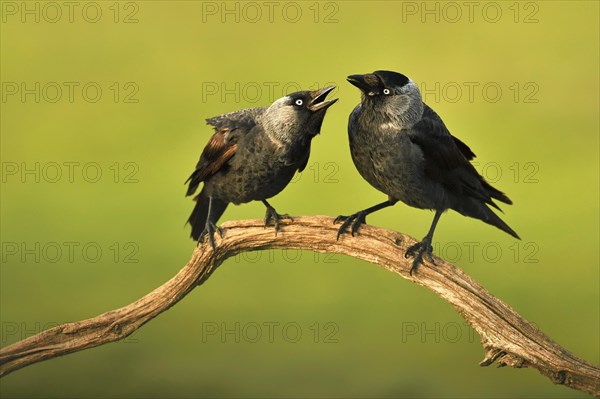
[[386, 91], [299, 102]]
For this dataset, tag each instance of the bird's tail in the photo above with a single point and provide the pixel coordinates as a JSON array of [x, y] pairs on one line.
[[494, 192], [200, 213], [476, 209]]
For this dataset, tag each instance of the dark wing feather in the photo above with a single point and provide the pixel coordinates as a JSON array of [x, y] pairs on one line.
[[442, 154], [221, 147], [244, 119], [305, 162], [447, 160], [432, 123], [466, 151]]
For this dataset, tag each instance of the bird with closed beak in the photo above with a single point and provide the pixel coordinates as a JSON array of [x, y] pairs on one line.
[[403, 149], [253, 155]]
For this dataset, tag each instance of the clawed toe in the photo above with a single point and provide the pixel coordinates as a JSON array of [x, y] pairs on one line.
[[359, 218], [272, 217], [209, 230], [421, 250], [339, 219], [353, 221]]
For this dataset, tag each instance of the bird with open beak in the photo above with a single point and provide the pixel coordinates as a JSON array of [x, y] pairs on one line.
[[253, 155]]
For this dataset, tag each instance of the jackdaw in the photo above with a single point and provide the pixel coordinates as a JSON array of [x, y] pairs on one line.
[[253, 155], [402, 148]]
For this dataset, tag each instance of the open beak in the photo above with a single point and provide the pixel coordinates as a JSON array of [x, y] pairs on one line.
[[318, 99], [366, 83]]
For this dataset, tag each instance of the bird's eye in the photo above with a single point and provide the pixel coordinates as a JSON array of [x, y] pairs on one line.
[[299, 102], [386, 91]]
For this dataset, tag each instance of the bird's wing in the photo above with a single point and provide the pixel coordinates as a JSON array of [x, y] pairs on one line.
[[229, 128], [442, 151], [466, 151], [220, 148], [305, 162], [447, 160], [245, 118]]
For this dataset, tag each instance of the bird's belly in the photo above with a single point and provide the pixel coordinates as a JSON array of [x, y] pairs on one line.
[[395, 167], [251, 181]]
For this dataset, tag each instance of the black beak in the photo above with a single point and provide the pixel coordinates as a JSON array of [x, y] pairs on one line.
[[318, 99], [366, 83]]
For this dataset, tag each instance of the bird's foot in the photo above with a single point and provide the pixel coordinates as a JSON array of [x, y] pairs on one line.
[[421, 250], [209, 230], [273, 216], [355, 220]]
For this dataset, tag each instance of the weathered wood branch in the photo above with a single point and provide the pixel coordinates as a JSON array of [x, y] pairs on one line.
[[508, 339]]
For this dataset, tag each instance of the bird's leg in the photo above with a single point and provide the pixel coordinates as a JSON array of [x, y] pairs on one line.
[[423, 249], [210, 228], [272, 215], [359, 217]]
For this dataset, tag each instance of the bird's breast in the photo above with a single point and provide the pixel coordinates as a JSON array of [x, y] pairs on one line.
[[391, 163]]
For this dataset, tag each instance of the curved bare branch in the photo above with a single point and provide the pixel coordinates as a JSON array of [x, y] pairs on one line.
[[507, 338]]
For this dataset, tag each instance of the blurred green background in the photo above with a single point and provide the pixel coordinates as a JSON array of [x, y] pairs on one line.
[[101, 168]]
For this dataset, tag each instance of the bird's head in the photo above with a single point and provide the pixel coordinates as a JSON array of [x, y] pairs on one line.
[[390, 93], [297, 114]]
